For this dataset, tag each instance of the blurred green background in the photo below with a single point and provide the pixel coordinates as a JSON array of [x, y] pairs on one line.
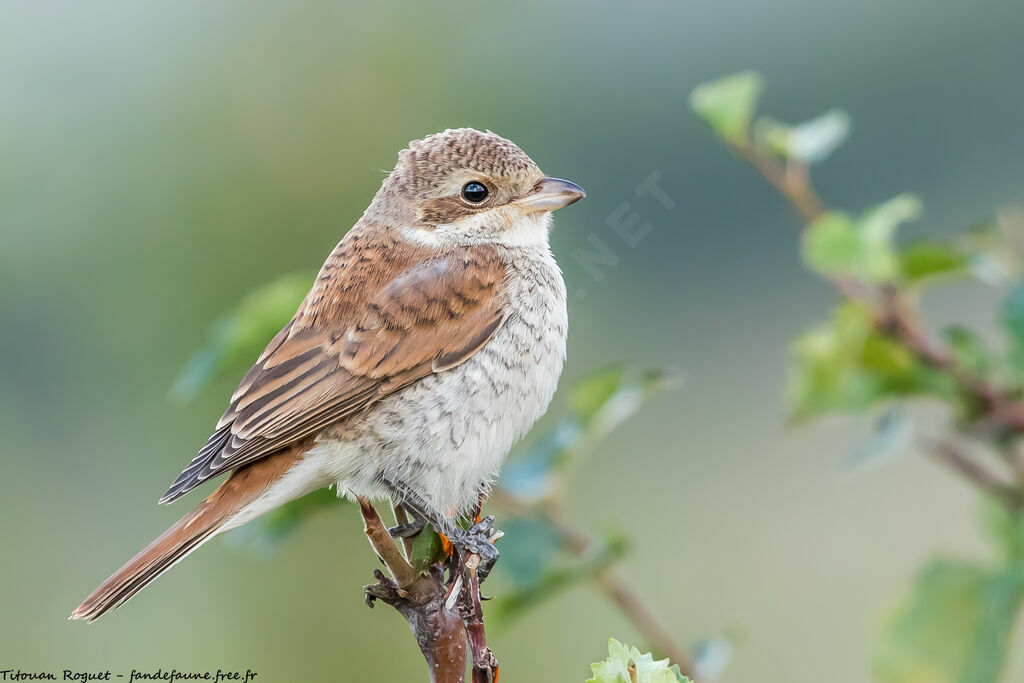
[[158, 160]]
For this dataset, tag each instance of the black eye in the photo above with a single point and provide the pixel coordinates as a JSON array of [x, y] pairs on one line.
[[474, 192]]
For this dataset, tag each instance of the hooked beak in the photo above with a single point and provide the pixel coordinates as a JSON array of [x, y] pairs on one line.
[[551, 194]]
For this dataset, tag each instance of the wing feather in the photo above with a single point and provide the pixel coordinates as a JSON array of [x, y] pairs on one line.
[[361, 334]]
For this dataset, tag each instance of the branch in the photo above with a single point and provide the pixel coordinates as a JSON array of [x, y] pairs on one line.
[[421, 599], [950, 453], [793, 181], [440, 616], [485, 666], [1001, 411], [611, 582], [619, 591], [385, 546]]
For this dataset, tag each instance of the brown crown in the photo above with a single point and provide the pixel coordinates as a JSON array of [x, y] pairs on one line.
[[429, 160]]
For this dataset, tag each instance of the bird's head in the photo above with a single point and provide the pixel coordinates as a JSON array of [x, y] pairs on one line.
[[464, 186]]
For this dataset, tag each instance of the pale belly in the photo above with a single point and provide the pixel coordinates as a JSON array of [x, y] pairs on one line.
[[446, 436]]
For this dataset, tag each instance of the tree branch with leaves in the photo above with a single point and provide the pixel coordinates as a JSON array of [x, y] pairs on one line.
[[878, 353]]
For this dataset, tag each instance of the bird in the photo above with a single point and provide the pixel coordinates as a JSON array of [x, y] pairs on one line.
[[431, 340]]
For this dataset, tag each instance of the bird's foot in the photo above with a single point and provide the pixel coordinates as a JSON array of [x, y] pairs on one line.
[[477, 540], [407, 530]]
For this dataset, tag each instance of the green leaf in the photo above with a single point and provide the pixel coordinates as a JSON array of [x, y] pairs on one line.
[[238, 337], [954, 627], [879, 223], [877, 228], [831, 245], [968, 349], [604, 399], [836, 245], [928, 259], [426, 549], [816, 139], [597, 404], [728, 104], [594, 391], [628, 665], [846, 366], [824, 374], [808, 142]]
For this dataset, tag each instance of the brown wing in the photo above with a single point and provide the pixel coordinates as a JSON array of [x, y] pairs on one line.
[[360, 335]]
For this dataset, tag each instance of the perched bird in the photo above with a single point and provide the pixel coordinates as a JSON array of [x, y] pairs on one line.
[[431, 340]]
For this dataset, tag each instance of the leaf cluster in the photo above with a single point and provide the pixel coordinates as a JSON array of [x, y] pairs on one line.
[[875, 353]]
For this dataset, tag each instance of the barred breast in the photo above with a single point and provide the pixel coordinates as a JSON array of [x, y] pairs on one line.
[[446, 436]]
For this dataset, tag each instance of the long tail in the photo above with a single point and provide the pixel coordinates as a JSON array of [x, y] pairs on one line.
[[212, 516]]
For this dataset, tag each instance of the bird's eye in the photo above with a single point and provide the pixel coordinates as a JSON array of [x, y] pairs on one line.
[[474, 192]]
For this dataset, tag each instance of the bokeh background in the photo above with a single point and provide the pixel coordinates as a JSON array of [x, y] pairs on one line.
[[160, 159]]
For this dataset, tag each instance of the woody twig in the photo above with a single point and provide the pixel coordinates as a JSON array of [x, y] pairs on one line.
[[443, 616]]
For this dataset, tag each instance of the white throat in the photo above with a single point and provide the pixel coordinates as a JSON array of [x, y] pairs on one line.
[[506, 227]]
